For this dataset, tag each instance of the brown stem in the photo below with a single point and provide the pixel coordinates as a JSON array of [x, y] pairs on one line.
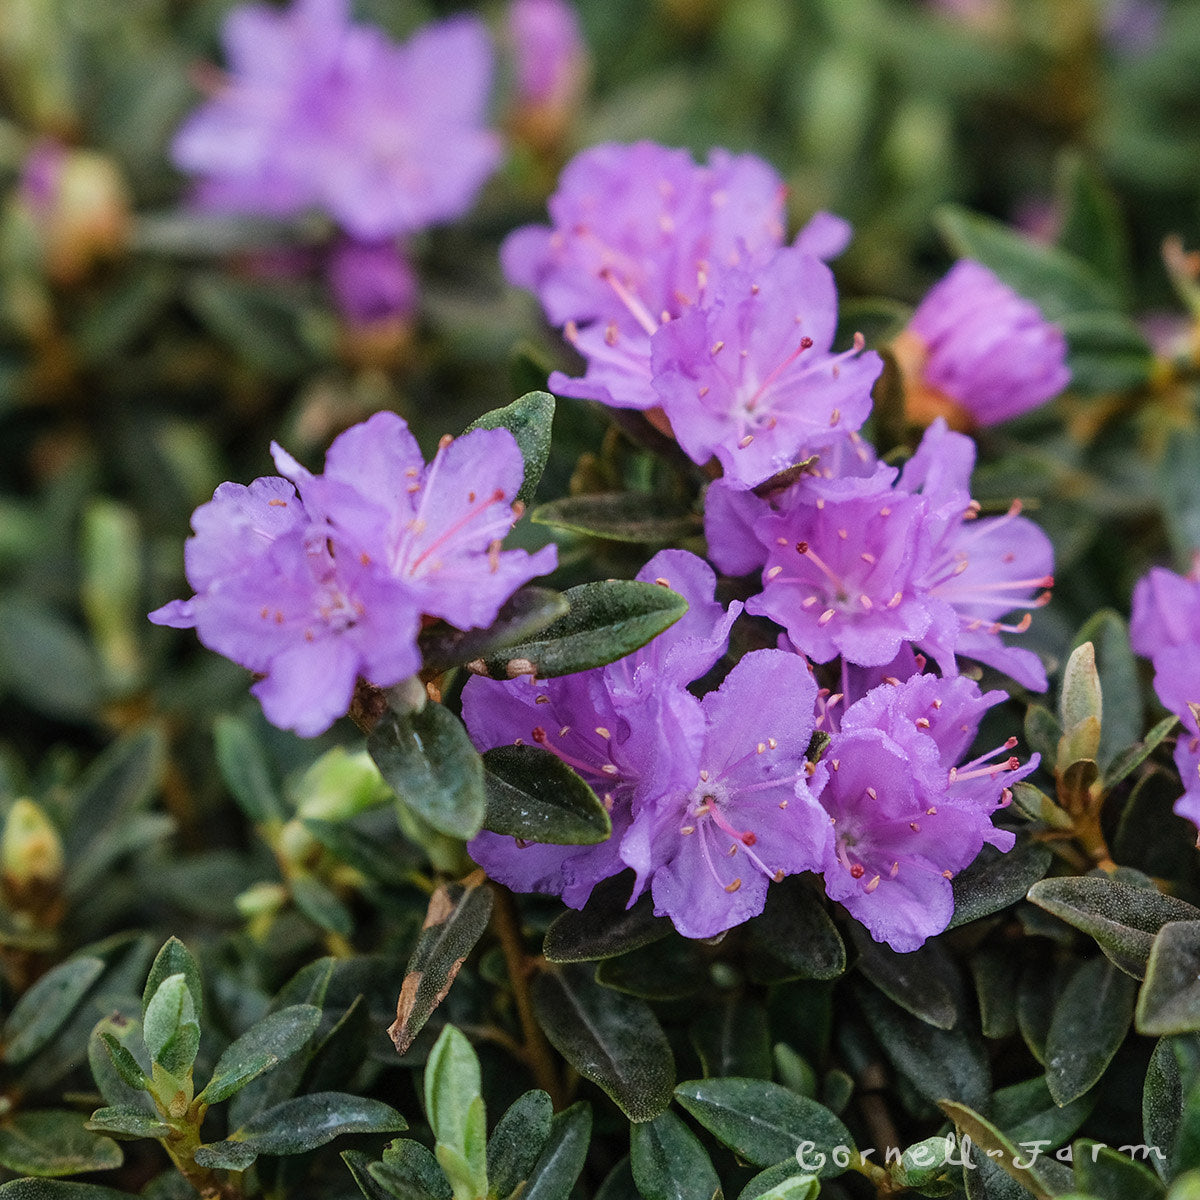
[[536, 1050]]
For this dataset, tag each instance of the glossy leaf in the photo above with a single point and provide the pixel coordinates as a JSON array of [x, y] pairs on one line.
[[733, 1037], [1122, 919], [1109, 1175], [429, 761], [765, 1123], [605, 621], [605, 927], [526, 612], [784, 1181], [124, 1120], [1043, 1177], [612, 1039], [529, 420], [533, 795], [926, 982], [170, 1028], [455, 920], [517, 1142], [247, 770], [1169, 1001], [49, 1143], [174, 959], [42, 1011], [795, 938], [561, 1160], [669, 1163], [1091, 1019], [264, 1045], [620, 517]]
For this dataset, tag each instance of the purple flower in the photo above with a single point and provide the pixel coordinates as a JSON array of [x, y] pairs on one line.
[[320, 113], [730, 809], [974, 340], [316, 581], [371, 282], [906, 815], [749, 377], [549, 56], [613, 725]]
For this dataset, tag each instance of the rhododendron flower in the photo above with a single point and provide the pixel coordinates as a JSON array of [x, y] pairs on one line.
[[371, 282], [988, 350], [314, 582], [320, 113]]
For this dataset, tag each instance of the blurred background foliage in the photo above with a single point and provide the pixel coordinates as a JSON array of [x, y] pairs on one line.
[[148, 353]]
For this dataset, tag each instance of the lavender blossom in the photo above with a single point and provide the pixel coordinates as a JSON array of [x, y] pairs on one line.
[[320, 113], [974, 341], [550, 66], [371, 282], [906, 814], [314, 582]]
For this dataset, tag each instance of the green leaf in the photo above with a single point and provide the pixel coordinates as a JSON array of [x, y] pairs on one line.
[[359, 1165], [48, 1143], [669, 1163], [174, 959], [1090, 1022], [561, 1161], [1132, 757], [604, 927], [526, 612], [1169, 1001], [454, 1107], [668, 970], [227, 1155], [1026, 1112], [300, 1124], [407, 1160], [1080, 708], [170, 1028], [533, 795], [55, 1189], [1042, 731], [926, 982], [429, 761], [605, 622], [247, 770], [733, 1037], [795, 938], [610, 1038], [1091, 227], [320, 904], [1122, 919], [516, 1143], [125, 1120], [529, 420], [765, 1123], [784, 1181], [994, 970], [43, 1010], [454, 922], [1039, 1177], [264, 1045], [47, 661], [1109, 1175], [1117, 678], [621, 517], [1162, 1103], [1056, 281], [1106, 352], [127, 1066]]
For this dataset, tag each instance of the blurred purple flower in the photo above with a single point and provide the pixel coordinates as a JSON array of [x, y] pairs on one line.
[[548, 52], [974, 340], [1133, 27], [316, 581], [320, 113], [371, 282]]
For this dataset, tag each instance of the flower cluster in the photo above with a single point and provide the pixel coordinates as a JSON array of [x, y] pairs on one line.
[[318, 113], [673, 282], [313, 580], [1165, 628]]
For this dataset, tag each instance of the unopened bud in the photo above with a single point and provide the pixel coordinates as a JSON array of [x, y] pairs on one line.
[[339, 785], [31, 857]]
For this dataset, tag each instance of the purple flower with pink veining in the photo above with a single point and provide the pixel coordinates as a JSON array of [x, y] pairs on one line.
[[314, 580], [992, 352], [320, 113]]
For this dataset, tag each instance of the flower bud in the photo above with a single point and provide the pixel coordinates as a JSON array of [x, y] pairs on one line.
[[31, 858]]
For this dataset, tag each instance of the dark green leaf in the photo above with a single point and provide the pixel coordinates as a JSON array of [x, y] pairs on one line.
[[1122, 919], [382, 860], [120, 1076], [428, 760], [529, 420], [47, 661], [733, 1037], [321, 905], [667, 970], [1091, 226], [407, 1162], [765, 1123], [621, 517], [561, 1161], [47, 1143], [605, 622], [1106, 352], [1109, 1175], [359, 1165], [936, 1062], [1132, 757], [1042, 731], [1054, 280], [795, 938], [526, 612], [227, 1155], [1169, 1001], [247, 770], [170, 1028], [56, 1189], [995, 974], [42, 1011], [618, 1183], [784, 1181], [604, 927], [454, 922], [276, 1037], [127, 1066], [1026, 1112], [669, 1163], [516, 1143], [1162, 1103], [125, 1120], [1091, 1019], [1039, 1177], [610, 1038], [174, 959], [926, 982], [533, 795]]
